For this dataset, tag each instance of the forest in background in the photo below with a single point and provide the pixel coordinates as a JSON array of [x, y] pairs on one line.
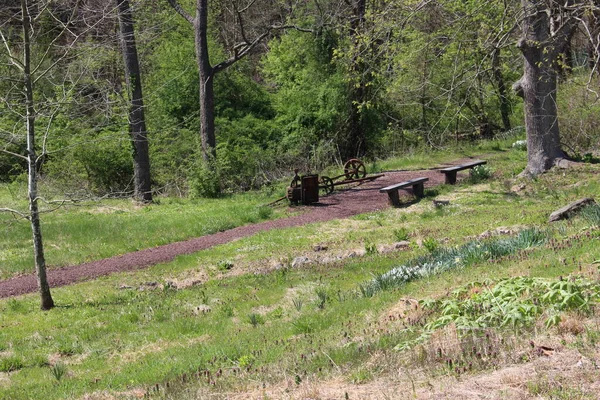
[[315, 83]]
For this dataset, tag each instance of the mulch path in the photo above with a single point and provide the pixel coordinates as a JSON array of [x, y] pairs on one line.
[[359, 199]]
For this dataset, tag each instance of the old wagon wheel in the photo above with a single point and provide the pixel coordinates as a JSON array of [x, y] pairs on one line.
[[326, 184], [355, 169]]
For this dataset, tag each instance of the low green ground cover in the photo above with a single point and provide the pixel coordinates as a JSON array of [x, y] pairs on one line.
[[90, 231], [254, 320]]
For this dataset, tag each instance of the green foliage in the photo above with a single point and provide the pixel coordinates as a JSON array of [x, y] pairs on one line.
[[578, 113], [205, 180], [480, 173], [255, 319], [370, 248], [322, 298], [431, 244], [225, 265], [310, 98], [512, 303], [58, 370], [591, 214], [444, 259], [11, 363], [401, 234]]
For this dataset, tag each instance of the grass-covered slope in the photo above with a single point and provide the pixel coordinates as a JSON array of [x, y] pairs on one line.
[[239, 320]]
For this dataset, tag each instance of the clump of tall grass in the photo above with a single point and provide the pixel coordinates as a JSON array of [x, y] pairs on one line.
[[445, 259], [591, 214]]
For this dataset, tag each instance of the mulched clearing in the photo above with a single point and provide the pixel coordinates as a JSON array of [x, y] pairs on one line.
[[359, 199]]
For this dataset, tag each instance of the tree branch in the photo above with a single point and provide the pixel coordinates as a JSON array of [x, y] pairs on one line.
[[246, 48], [13, 60], [13, 154], [14, 212], [181, 11]]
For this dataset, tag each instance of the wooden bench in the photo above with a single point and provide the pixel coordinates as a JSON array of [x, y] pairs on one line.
[[451, 171], [392, 191]]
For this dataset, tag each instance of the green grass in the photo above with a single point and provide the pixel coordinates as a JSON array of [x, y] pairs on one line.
[[92, 231], [131, 332]]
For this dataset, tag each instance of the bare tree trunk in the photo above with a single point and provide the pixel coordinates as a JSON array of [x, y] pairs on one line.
[[538, 88], [34, 215], [207, 72], [206, 76], [137, 121]]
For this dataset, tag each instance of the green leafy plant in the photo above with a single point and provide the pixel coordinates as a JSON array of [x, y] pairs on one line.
[[370, 248], [444, 259], [322, 298], [58, 370], [245, 361], [431, 244], [512, 303], [225, 265], [255, 319], [401, 234], [480, 173]]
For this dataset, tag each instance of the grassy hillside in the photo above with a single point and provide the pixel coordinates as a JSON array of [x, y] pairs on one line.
[[487, 284]]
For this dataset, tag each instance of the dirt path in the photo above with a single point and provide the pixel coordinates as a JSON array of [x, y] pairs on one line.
[[342, 204]]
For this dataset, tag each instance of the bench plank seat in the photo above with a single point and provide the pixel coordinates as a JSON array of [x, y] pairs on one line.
[[392, 191], [450, 172]]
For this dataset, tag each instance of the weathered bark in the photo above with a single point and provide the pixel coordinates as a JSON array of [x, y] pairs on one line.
[[46, 301], [206, 77], [137, 121], [538, 86]]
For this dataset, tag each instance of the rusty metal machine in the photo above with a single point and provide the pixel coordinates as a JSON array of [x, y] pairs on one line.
[[305, 189]]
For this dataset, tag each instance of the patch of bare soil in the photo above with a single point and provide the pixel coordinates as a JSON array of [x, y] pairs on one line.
[[358, 199]]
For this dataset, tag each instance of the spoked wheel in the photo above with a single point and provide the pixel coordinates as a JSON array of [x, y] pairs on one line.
[[325, 185], [296, 182], [355, 169]]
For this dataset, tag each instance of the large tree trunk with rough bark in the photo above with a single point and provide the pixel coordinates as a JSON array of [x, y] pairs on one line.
[[34, 216], [206, 77], [540, 47], [137, 121]]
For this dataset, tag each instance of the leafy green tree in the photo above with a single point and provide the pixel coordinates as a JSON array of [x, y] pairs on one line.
[[208, 70]]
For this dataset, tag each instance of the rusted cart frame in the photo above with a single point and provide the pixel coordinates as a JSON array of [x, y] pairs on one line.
[[327, 184], [306, 189]]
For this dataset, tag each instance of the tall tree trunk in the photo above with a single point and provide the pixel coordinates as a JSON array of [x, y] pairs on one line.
[[206, 76], [207, 72], [355, 143], [137, 121], [538, 87], [34, 215]]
